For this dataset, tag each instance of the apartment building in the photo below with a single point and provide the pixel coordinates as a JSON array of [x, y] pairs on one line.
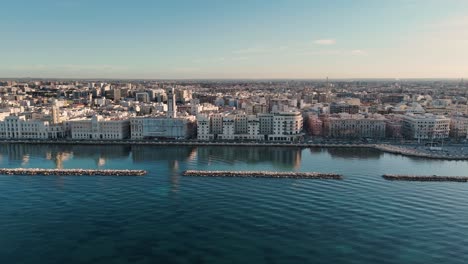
[[425, 126], [204, 128], [459, 127], [354, 126], [287, 126], [283, 126]]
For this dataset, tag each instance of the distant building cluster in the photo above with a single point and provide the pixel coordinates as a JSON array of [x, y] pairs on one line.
[[273, 111]]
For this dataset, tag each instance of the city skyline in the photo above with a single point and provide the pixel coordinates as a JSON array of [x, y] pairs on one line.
[[242, 40]]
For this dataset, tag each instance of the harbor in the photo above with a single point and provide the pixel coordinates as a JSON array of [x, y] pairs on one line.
[[70, 172], [425, 178], [263, 174]]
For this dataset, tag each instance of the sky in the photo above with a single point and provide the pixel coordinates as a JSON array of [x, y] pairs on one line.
[[186, 39]]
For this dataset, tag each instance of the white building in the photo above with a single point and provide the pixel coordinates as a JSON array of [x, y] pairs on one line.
[[285, 126], [204, 131], [160, 127], [426, 126], [171, 104], [228, 128], [17, 127], [98, 128]]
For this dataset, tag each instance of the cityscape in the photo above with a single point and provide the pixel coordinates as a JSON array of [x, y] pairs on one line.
[[225, 132], [423, 114]]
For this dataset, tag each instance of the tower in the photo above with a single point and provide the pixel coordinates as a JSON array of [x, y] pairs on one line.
[[55, 113], [171, 103]]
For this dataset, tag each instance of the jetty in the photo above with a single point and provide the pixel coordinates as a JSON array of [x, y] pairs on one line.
[[263, 174], [70, 172], [425, 178]]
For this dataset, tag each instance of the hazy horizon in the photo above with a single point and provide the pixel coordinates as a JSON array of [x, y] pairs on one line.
[[256, 39]]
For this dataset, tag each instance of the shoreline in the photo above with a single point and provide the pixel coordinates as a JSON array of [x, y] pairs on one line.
[[388, 148]]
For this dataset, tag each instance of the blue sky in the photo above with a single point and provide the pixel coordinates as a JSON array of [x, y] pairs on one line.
[[234, 39]]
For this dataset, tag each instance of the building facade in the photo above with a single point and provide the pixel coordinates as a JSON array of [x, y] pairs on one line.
[[459, 127], [160, 127], [354, 126], [285, 126], [98, 128], [17, 127], [425, 126]]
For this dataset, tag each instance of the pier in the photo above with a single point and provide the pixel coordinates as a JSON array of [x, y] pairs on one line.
[[425, 178], [71, 172], [263, 174]]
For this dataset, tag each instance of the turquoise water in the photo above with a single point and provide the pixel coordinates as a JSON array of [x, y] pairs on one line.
[[166, 218]]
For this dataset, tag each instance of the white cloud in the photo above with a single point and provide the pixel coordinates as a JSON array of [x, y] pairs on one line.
[[325, 41]]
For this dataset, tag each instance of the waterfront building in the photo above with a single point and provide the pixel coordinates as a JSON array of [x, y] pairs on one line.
[[425, 126], [217, 124], [394, 126], [228, 128], [284, 126], [314, 125], [266, 123], [161, 127], [99, 128], [287, 126], [354, 126], [18, 127], [459, 127], [204, 131]]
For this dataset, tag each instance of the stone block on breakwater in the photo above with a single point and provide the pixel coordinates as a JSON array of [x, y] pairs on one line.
[[70, 172], [424, 178], [263, 174]]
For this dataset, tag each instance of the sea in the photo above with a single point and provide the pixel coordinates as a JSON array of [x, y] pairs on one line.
[[164, 217]]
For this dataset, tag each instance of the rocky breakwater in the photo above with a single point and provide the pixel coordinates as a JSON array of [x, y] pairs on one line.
[[425, 178], [71, 172], [263, 174]]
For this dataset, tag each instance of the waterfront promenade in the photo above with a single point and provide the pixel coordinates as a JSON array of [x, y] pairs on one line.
[[449, 152]]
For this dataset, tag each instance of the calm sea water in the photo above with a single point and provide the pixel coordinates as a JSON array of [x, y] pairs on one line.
[[166, 218]]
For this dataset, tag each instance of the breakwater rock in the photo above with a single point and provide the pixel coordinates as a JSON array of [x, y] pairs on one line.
[[425, 178], [263, 174], [71, 172]]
